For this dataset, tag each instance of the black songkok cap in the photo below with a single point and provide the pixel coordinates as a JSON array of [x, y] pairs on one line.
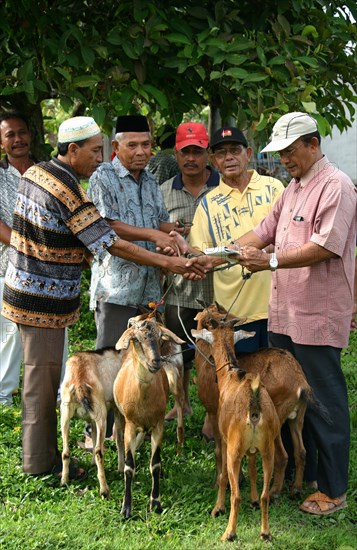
[[131, 123]]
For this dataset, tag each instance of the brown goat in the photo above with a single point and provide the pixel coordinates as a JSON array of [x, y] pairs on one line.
[[248, 423], [283, 378], [172, 362], [87, 391], [141, 393]]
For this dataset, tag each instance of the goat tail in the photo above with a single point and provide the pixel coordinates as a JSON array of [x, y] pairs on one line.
[[254, 402], [309, 397], [83, 395]]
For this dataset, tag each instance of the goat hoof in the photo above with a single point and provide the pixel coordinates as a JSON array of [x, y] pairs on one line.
[[155, 506], [217, 512], [105, 494], [126, 512], [255, 505], [295, 494], [229, 536], [265, 537]]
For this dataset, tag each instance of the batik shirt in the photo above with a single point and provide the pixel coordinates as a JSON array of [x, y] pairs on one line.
[[9, 182], [54, 222], [118, 196]]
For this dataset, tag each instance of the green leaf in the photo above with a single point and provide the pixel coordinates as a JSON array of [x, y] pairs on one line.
[[200, 70], [262, 123], [255, 77], [129, 50], [66, 75], [85, 81], [236, 72], [284, 24], [88, 55], [26, 71], [215, 74], [239, 44], [157, 94], [115, 36], [309, 106], [177, 38], [235, 59], [217, 43], [310, 61], [40, 85], [277, 60], [98, 113], [310, 29]]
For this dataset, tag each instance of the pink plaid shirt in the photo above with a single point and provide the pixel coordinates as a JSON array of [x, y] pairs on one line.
[[313, 305]]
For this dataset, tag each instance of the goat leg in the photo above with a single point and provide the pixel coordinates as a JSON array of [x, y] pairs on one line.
[[98, 450], [155, 467], [219, 507], [119, 426], [268, 466], [65, 421], [129, 468], [233, 466], [281, 459], [295, 426], [252, 469]]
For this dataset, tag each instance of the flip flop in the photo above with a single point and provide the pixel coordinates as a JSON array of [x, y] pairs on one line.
[[323, 502]]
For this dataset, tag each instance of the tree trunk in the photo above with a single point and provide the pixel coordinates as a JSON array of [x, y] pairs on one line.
[[214, 119]]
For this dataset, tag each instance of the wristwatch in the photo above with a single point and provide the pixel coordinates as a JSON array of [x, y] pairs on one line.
[[273, 262]]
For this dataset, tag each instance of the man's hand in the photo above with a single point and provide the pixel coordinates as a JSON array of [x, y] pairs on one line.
[[253, 259], [181, 245], [165, 243], [193, 269]]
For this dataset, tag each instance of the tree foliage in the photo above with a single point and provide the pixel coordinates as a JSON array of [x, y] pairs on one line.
[[252, 60]]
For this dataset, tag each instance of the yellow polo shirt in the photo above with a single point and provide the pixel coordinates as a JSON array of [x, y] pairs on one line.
[[224, 215]]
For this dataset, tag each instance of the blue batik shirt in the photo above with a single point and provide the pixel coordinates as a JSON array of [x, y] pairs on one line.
[[118, 196]]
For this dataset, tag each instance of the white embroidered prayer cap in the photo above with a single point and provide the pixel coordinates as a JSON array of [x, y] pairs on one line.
[[77, 128], [288, 129]]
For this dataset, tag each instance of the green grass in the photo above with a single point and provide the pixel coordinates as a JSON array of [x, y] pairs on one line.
[[38, 513]]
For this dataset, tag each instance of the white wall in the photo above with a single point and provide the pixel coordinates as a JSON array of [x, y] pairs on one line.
[[341, 149]]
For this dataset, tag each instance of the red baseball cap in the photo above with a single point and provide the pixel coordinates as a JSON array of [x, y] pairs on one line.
[[191, 133]]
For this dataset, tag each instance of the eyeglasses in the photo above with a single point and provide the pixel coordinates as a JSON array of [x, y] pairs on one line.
[[289, 151], [234, 151]]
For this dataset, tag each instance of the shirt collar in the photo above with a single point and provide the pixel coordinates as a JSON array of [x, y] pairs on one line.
[[64, 166], [254, 183], [123, 171], [212, 181]]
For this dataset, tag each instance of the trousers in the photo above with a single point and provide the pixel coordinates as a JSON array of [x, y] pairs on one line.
[[327, 444], [10, 355], [43, 356]]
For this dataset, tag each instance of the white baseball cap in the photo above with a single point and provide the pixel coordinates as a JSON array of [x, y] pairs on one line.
[[288, 129]]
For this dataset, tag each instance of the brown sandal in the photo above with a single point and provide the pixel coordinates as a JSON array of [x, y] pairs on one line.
[[323, 501]]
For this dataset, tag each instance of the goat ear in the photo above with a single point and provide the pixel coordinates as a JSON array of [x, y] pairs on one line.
[[239, 321], [242, 335], [124, 340], [220, 308], [167, 334], [203, 334]]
